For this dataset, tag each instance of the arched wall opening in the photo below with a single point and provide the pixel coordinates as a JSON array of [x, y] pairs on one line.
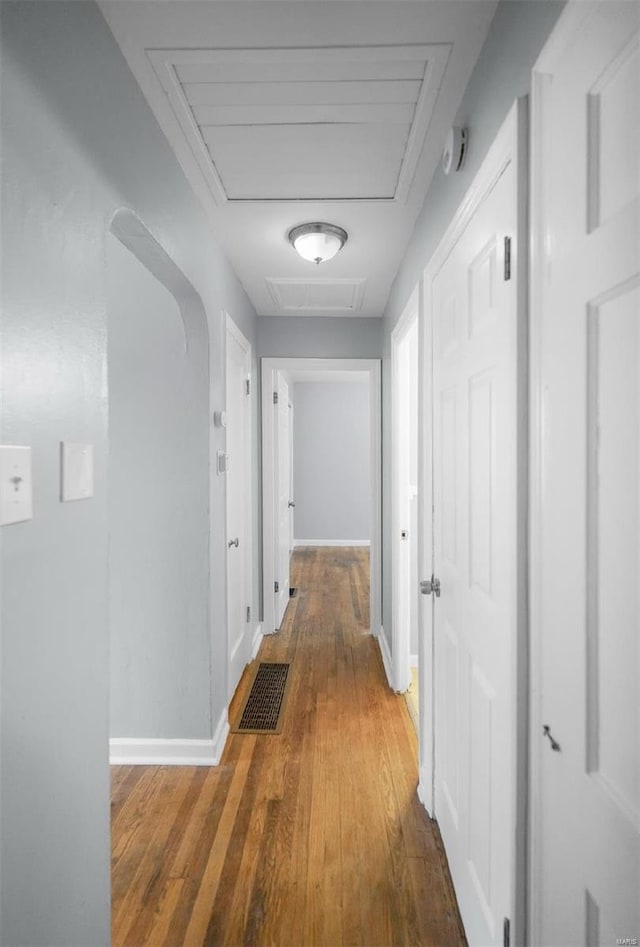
[[158, 475]]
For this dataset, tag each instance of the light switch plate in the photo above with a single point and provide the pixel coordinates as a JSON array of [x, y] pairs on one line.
[[223, 462], [16, 494], [76, 471]]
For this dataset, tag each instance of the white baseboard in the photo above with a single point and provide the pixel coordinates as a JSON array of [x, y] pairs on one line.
[[220, 735], [256, 641], [423, 795], [141, 751], [331, 542], [386, 657], [413, 661]]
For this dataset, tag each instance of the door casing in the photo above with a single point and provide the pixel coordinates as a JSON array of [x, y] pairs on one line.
[[270, 368], [510, 145]]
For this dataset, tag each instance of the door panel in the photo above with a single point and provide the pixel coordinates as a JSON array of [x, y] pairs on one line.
[[612, 548], [588, 573], [283, 484], [291, 487], [238, 488], [475, 557]]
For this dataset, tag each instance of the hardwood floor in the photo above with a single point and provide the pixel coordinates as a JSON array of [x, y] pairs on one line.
[[311, 837], [412, 699]]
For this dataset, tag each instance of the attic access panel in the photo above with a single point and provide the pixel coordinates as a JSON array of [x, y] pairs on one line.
[[339, 123], [316, 296]]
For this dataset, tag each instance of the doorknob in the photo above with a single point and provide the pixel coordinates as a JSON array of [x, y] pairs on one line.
[[430, 586], [291, 503], [233, 542]]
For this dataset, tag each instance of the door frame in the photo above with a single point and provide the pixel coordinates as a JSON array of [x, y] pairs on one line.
[[247, 540], [401, 645], [269, 368], [509, 145]]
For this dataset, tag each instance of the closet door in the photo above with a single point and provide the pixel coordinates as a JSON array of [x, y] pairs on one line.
[[586, 513], [477, 318]]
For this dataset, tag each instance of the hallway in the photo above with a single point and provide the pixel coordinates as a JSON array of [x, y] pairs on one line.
[[311, 837]]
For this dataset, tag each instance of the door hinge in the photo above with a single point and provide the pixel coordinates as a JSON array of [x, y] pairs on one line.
[[276, 587], [248, 386], [506, 933], [275, 397], [507, 258], [248, 613]]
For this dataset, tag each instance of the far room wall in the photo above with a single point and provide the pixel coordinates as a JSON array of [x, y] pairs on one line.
[[331, 461]]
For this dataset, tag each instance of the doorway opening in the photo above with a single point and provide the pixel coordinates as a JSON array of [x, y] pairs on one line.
[[158, 504], [321, 479]]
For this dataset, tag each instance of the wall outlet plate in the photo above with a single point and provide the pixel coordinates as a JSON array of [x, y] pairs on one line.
[[16, 493]]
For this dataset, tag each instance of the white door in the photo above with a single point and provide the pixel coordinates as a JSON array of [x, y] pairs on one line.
[[238, 504], [475, 317], [283, 498], [586, 514], [404, 383], [291, 487]]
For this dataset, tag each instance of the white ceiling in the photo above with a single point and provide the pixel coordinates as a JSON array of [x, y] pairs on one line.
[[282, 112]]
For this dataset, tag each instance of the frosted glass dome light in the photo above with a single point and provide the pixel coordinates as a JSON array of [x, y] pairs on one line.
[[317, 242]]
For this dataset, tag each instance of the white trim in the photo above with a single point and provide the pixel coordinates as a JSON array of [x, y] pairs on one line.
[[386, 656], [140, 751], [144, 751], [151, 751], [426, 668], [270, 368], [424, 793], [401, 613], [536, 453], [509, 146], [220, 735], [331, 542], [414, 661], [256, 641]]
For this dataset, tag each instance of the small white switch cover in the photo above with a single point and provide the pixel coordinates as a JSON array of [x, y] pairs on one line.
[[16, 495], [76, 471], [223, 462]]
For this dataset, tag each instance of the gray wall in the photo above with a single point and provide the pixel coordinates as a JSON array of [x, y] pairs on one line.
[[319, 337], [158, 509], [502, 73], [78, 142], [331, 460]]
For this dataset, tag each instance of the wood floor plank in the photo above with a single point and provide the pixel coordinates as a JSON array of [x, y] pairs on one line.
[[313, 837], [251, 812], [202, 909]]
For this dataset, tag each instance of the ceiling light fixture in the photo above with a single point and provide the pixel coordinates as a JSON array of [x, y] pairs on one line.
[[317, 242]]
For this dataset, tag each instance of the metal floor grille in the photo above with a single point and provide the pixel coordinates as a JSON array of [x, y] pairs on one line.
[[264, 705]]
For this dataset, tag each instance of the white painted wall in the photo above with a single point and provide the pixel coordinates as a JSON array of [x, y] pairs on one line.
[[158, 495], [331, 461], [320, 336], [78, 142]]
